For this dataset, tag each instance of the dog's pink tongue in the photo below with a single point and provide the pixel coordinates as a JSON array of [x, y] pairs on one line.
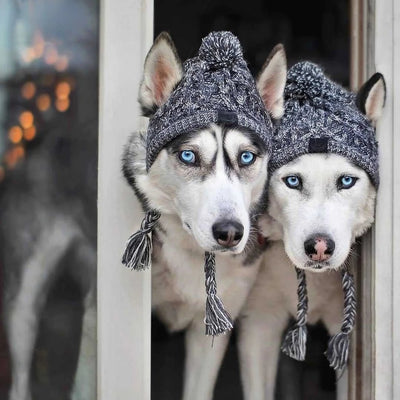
[[320, 247]]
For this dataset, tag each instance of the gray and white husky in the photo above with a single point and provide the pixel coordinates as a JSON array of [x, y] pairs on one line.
[[192, 201], [318, 209]]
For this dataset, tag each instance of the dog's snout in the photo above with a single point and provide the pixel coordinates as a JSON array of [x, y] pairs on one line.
[[228, 233], [319, 247]]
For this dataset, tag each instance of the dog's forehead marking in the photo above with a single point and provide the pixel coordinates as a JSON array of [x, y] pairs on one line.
[[206, 141], [234, 140]]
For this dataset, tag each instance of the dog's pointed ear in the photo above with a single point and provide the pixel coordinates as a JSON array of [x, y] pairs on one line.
[[272, 80], [162, 71], [371, 97]]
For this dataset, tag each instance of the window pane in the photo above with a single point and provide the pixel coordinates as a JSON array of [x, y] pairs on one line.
[[48, 191]]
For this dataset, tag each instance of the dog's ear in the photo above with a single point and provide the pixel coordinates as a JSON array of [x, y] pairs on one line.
[[162, 71], [272, 80], [371, 97]]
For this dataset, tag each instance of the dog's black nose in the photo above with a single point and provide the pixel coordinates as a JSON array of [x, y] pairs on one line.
[[319, 247], [228, 233]]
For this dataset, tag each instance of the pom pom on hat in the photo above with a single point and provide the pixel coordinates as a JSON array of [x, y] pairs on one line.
[[220, 50], [305, 80]]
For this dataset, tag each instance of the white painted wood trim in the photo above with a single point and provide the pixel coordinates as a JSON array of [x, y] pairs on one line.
[[124, 297], [387, 229]]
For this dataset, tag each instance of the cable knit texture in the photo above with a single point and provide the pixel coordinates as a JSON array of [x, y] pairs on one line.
[[217, 87], [315, 108]]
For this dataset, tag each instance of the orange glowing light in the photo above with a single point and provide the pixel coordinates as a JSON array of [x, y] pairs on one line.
[[19, 152], [26, 119], [62, 105], [15, 134], [28, 90], [38, 44], [11, 158], [30, 133], [2, 173], [28, 55], [51, 54], [62, 63], [43, 102], [63, 90]]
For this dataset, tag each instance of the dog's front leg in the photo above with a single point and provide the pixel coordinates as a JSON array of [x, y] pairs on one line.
[[85, 377], [23, 311], [84, 268], [203, 360], [259, 343]]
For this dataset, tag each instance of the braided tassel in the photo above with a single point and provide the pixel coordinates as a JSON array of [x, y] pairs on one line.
[[137, 254], [294, 344], [217, 319], [338, 346]]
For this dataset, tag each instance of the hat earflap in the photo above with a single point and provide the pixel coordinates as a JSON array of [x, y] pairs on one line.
[[338, 346], [294, 344], [137, 256], [217, 319]]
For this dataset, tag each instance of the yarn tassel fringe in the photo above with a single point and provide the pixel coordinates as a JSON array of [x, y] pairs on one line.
[[217, 319], [137, 254], [338, 346], [294, 344]]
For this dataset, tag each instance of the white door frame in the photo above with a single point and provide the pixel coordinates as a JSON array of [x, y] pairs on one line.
[[386, 273], [124, 296]]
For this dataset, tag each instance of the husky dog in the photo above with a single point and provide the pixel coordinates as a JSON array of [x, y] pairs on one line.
[[318, 205], [210, 206]]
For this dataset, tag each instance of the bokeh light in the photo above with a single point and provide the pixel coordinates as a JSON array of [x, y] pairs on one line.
[[15, 134], [62, 63], [26, 119], [19, 152], [28, 90], [43, 102], [62, 105], [30, 133], [63, 89], [50, 54]]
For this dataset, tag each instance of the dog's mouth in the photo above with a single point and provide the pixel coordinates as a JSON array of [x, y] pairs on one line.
[[222, 249], [316, 265]]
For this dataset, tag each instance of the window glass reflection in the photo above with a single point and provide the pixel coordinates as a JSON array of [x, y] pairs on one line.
[[48, 190]]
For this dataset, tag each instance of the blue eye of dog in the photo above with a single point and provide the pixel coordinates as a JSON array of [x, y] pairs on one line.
[[247, 158], [293, 182], [187, 157], [346, 182]]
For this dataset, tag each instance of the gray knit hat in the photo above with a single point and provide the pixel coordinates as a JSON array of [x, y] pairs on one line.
[[217, 87], [322, 117]]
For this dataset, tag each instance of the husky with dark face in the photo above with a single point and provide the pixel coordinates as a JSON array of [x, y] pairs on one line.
[[319, 203], [207, 184]]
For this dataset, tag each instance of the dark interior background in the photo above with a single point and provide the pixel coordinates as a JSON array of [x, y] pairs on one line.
[[319, 31]]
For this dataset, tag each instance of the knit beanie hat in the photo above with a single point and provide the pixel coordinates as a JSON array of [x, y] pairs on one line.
[[217, 87], [322, 117]]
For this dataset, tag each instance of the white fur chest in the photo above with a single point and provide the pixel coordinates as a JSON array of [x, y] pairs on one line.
[[178, 282], [277, 285]]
